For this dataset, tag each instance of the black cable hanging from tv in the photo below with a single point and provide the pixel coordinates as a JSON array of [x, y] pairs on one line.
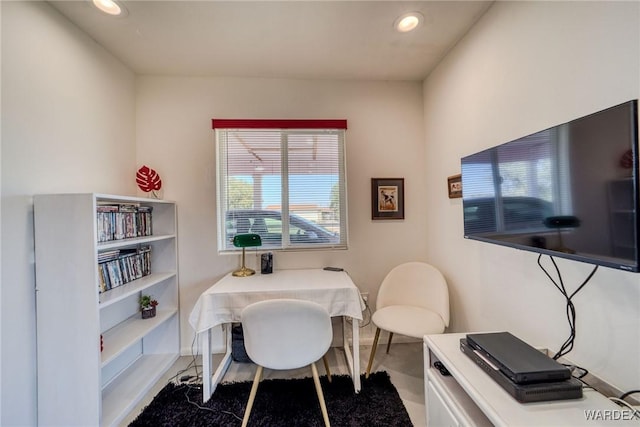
[[567, 346]]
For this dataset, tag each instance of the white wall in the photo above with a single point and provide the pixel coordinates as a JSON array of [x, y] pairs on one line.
[[524, 67], [385, 138], [71, 114], [0, 223], [68, 125]]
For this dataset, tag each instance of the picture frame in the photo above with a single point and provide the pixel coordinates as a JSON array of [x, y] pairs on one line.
[[387, 198], [454, 186]]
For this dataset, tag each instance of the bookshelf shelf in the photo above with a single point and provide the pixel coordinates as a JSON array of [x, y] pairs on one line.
[[129, 332], [122, 394], [78, 384], [121, 292], [114, 244]]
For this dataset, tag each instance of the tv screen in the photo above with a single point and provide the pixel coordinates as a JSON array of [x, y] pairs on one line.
[[569, 191]]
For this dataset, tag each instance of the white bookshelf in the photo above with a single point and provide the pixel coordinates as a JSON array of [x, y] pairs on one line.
[[78, 385]]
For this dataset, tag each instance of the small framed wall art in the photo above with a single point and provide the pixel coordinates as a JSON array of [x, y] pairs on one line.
[[387, 198], [454, 183]]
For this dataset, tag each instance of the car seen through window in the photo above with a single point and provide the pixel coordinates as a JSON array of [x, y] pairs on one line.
[[268, 224]]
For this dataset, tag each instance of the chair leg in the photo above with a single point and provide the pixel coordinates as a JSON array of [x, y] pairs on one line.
[[252, 396], [323, 406], [389, 343], [373, 352], [326, 367]]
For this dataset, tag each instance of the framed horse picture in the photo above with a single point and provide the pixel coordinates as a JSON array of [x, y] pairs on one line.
[[387, 198]]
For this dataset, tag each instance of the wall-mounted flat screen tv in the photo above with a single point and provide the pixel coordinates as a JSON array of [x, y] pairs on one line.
[[569, 191]]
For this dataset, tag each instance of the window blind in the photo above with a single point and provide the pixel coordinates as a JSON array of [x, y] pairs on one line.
[[282, 179]]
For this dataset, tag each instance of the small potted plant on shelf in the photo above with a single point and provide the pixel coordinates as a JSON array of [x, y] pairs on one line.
[[148, 306]]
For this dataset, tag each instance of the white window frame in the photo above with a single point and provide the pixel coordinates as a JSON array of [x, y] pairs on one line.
[[224, 129]]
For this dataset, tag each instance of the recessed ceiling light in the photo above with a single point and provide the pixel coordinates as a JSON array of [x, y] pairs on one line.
[[408, 22], [110, 7]]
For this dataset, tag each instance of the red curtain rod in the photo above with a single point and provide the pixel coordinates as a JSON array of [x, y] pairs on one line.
[[278, 124]]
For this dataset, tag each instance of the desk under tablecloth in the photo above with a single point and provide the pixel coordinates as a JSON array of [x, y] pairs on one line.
[[224, 301]]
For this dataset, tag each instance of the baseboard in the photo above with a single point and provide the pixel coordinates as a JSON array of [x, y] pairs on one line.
[[364, 341], [367, 334], [397, 339]]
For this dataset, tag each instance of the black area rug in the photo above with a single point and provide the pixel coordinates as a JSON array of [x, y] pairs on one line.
[[279, 402]]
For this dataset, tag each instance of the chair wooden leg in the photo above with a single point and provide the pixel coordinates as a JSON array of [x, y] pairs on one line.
[[326, 367], [389, 343], [323, 406], [373, 352], [252, 396]]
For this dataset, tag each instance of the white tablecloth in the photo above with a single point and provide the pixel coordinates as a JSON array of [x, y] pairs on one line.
[[224, 301]]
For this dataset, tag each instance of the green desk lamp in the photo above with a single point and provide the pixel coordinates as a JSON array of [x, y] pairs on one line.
[[245, 241]]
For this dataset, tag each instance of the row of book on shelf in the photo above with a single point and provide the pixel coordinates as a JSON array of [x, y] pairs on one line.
[[119, 266], [123, 221]]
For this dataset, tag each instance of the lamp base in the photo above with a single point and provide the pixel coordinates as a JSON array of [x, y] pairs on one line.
[[243, 272]]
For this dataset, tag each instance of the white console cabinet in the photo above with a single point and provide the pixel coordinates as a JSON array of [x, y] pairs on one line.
[[469, 397], [78, 383]]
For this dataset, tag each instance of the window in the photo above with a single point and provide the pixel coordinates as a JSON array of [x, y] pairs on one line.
[[284, 180]]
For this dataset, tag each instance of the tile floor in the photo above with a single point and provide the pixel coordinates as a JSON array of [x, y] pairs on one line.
[[404, 364]]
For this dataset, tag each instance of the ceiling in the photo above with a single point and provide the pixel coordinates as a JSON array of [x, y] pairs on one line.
[[278, 39]]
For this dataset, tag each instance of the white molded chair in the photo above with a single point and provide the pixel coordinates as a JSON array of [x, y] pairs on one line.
[[413, 300], [286, 334]]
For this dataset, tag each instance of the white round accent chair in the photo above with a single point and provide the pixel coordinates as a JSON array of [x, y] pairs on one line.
[[413, 300]]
